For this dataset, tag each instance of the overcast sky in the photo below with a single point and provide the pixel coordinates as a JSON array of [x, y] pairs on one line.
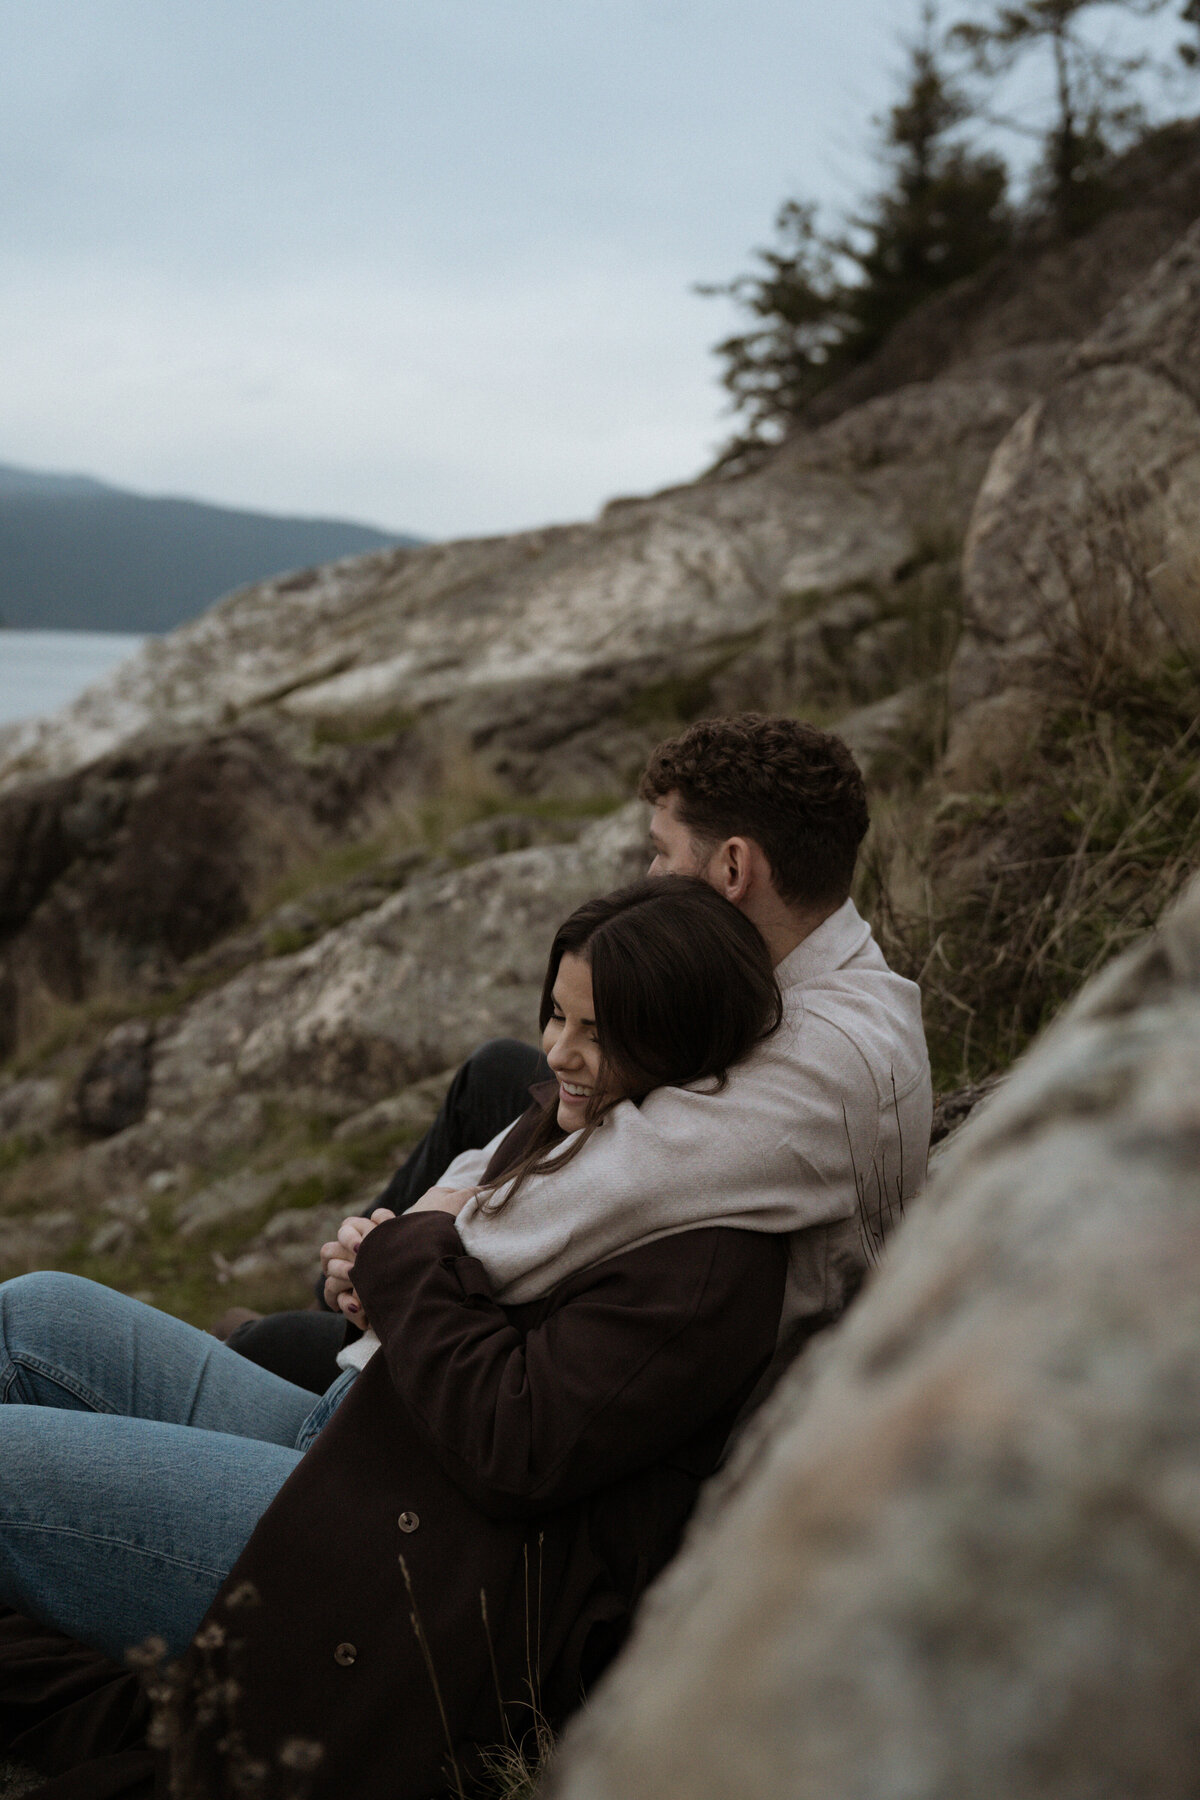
[[424, 263]]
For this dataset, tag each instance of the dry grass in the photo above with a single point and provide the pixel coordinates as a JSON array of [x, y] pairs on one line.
[[1040, 887], [1003, 901]]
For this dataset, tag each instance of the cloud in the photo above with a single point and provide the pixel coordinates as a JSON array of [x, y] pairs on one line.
[[425, 265], [415, 404]]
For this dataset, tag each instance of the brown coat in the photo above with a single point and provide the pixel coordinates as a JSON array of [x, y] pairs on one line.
[[545, 1456]]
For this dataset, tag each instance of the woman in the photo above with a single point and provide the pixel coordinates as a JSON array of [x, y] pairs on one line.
[[458, 1534]]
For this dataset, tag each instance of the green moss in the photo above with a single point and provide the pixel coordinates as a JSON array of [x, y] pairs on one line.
[[286, 943], [330, 868], [20, 1148], [364, 728], [312, 1190], [681, 698], [376, 1153]]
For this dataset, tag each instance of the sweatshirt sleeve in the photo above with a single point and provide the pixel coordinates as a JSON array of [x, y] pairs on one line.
[[639, 1354]]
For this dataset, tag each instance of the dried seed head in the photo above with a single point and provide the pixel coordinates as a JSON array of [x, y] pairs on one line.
[[301, 1754]]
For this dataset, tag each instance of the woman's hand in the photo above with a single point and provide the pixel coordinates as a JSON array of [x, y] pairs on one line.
[[447, 1200], [337, 1263], [337, 1257]]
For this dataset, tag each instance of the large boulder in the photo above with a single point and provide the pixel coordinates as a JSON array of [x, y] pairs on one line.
[[392, 996], [958, 1557], [1096, 484], [406, 989], [117, 872]]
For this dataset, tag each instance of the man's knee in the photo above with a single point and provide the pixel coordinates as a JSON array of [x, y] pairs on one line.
[[301, 1347], [501, 1059]]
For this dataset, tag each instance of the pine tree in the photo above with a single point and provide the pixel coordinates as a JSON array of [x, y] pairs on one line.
[[773, 370], [1095, 109], [943, 215], [1190, 52], [823, 303]]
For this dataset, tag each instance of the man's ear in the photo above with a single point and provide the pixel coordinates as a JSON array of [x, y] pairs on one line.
[[733, 867]]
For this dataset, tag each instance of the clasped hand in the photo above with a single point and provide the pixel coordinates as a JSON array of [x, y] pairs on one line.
[[338, 1256]]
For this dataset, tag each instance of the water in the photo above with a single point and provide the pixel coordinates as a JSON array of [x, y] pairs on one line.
[[43, 670]]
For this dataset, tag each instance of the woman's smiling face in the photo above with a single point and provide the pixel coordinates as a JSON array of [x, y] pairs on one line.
[[570, 1042]]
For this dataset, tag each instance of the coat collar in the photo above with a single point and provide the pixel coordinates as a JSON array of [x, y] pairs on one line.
[[835, 942]]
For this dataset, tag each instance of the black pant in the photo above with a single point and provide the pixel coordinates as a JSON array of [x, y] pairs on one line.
[[488, 1092]]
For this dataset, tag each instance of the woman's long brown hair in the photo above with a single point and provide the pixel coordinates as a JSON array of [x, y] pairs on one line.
[[682, 986]]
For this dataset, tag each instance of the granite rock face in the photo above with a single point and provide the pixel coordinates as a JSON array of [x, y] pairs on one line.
[[349, 1030], [1099, 479], [404, 990], [116, 873], [958, 1556]]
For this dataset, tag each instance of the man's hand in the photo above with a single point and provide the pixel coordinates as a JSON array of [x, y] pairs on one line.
[[447, 1200], [337, 1263]]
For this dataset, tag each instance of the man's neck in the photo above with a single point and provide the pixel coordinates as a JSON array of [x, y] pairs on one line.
[[783, 927]]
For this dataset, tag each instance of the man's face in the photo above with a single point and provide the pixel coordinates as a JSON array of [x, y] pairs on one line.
[[676, 850]]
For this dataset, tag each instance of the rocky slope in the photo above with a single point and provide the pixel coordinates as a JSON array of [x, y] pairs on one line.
[[263, 886], [544, 641]]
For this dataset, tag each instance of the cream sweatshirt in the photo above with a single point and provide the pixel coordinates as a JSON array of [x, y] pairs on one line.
[[821, 1133]]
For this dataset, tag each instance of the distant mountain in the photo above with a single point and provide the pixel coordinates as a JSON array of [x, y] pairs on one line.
[[79, 555]]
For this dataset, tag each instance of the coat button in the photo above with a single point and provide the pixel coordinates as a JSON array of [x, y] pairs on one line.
[[345, 1655], [408, 1521]]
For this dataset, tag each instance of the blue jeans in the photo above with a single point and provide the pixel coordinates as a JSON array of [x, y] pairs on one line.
[[137, 1454]]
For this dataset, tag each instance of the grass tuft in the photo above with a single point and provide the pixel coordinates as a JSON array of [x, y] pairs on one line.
[[1004, 900]]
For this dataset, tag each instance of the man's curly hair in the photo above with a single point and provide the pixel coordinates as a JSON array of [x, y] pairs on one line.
[[797, 791]]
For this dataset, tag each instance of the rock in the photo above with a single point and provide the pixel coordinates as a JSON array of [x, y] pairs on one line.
[[116, 873], [890, 738], [805, 656], [111, 1092], [224, 1202], [112, 1239], [951, 1111], [30, 1106], [949, 417], [230, 1125], [31, 1243], [877, 653], [290, 1244], [990, 742], [411, 1112], [959, 1555], [403, 991], [221, 1202], [509, 831], [1098, 480]]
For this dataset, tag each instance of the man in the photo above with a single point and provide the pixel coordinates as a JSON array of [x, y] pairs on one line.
[[771, 813]]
